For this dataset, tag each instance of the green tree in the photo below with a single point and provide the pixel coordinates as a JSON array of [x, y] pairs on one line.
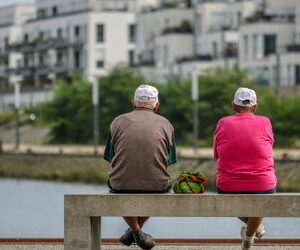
[[216, 90], [69, 114]]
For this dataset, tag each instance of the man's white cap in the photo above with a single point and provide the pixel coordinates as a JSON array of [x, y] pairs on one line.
[[146, 93], [245, 97]]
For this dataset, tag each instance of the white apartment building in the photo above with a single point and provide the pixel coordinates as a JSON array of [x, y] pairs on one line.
[[262, 36], [12, 19], [90, 36]]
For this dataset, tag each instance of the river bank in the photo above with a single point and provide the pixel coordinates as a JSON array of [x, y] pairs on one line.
[[94, 170]]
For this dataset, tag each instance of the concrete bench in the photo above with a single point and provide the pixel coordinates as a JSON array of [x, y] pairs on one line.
[[83, 212]]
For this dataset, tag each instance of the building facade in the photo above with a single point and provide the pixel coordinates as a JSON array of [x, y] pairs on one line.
[[163, 38], [62, 37], [262, 36]]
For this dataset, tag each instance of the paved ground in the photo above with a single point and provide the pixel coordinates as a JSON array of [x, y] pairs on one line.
[[159, 247]]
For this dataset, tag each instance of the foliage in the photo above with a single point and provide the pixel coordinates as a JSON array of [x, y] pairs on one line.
[[215, 99], [6, 117], [70, 114], [116, 93]]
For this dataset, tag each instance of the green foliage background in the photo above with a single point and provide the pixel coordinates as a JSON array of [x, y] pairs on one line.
[[70, 114]]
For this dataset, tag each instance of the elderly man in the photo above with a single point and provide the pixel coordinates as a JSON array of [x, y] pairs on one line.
[[243, 151], [140, 146]]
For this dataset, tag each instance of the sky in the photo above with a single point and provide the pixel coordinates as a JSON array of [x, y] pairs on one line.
[[10, 2]]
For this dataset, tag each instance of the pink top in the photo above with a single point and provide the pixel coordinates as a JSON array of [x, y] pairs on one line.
[[243, 150]]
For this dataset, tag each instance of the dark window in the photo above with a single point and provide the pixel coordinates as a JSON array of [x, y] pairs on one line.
[[59, 33], [77, 31], [131, 58], [100, 64], [297, 75], [41, 13], [77, 59], [26, 60], [59, 58], [5, 43], [41, 59], [239, 17], [54, 11], [270, 44], [132, 33], [41, 35], [26, 38], [100, 33]]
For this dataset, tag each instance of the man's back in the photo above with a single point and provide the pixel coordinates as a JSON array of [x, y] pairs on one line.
[[141, 143]]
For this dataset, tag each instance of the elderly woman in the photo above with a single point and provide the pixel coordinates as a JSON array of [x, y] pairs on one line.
[[243, 151]]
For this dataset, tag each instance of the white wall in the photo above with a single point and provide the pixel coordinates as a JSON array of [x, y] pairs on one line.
[[116, 46]]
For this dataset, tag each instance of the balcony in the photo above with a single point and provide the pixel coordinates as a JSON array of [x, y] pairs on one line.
[[195, 58], [45, 44], [293, 48], [184, 28], [149, 63], [260, 16]]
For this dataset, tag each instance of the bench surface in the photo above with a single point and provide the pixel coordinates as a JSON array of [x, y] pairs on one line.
[[207, 204], [83, 212]]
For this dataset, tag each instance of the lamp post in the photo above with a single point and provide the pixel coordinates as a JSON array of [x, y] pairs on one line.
[[95, 100], [195, 98], [17, 107]]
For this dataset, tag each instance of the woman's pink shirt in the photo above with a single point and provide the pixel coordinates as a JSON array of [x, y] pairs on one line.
[[243, 150]]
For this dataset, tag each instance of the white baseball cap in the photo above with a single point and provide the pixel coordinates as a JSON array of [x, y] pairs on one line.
[[245, 97], [146, 93]]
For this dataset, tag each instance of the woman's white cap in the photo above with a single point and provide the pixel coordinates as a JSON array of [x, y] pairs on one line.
[[245, 97]]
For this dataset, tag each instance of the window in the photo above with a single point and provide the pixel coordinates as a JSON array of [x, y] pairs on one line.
[[41, 13], [100, 33], [59, 33], [239, 18], [297, 75], [215, 50], [77, 59], [100, 55], [269, 44], [100, 64], [54, 11], [26, 38], [59, 58], [290, 72], [76, 31], [246, 46], [5, 43], [199, 23], [132, 33], [41, 35], [131, 58], [254, 45]]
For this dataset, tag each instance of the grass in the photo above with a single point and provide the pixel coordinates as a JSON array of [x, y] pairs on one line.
[[91, 169]]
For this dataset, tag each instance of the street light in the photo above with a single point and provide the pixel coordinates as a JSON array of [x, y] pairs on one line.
[[195, 98], [95, 100], [17, 107]]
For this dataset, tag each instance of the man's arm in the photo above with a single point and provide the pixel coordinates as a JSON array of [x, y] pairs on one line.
[[172, 152], [109, 151]]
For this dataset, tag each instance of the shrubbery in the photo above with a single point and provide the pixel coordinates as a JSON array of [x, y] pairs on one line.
[[70, 114]]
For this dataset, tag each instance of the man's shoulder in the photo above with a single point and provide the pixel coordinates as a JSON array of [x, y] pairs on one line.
[[163, 119]]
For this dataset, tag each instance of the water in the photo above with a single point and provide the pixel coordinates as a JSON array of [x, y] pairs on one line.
[[34, 209]]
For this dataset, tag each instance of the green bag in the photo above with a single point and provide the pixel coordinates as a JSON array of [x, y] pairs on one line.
[[189, 183]]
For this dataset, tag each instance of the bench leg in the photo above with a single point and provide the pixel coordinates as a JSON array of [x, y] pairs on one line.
[[82, 233]]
